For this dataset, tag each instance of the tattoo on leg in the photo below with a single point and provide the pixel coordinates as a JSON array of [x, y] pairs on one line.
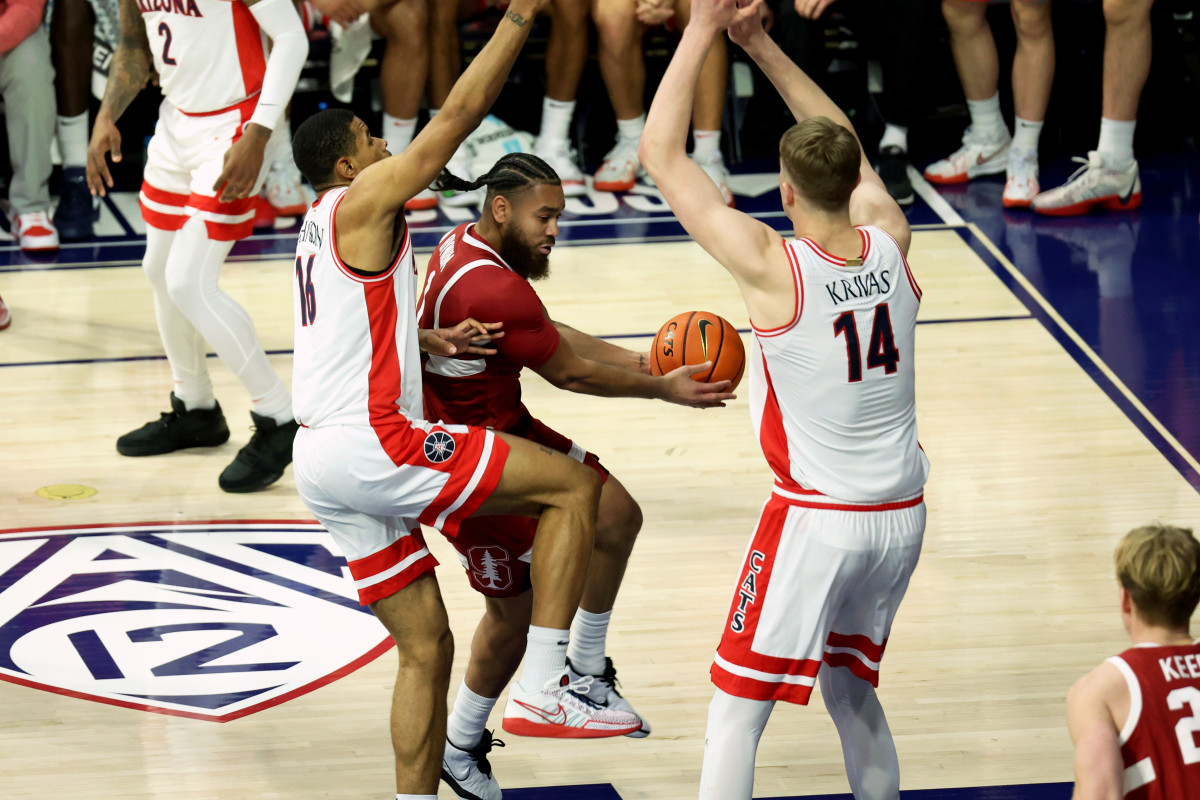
[[517, 19]]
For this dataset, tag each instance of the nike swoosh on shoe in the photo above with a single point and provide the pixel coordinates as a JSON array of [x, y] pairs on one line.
[[1125, 197], [979, 159]]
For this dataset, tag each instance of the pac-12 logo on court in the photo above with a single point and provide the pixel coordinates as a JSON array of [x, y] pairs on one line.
[[206, 620], [439, 446]]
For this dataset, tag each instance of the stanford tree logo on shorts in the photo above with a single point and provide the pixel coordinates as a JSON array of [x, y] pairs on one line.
[[439, 446]]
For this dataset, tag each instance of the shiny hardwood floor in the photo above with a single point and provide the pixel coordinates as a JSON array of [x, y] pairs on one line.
[[1036, 472]]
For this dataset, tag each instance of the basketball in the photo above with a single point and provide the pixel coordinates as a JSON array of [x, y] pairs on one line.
[[694, 337]]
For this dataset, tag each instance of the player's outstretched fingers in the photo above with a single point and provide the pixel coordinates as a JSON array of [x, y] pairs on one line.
[[686, 390]]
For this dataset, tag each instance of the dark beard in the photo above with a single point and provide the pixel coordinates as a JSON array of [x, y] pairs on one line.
[[526, 261]]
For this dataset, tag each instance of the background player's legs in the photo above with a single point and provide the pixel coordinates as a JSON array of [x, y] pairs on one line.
[[416, 618], [71, 46], [26, 83], [623, 68], [1032, 75], [872, 766], [566, 54], [1126, 66], [402, 72], [445, 58], [735, 726], [985, 143]]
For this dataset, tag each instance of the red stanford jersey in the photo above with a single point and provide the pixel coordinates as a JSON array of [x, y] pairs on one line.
[[1160, 743], [468, 278]]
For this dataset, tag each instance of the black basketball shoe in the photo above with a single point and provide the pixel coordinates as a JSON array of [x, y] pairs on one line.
[[177, 430], [893, 169], [262, 461]]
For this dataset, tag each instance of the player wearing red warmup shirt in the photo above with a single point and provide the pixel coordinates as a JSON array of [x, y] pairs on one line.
[[486, 268], [1134, 719]]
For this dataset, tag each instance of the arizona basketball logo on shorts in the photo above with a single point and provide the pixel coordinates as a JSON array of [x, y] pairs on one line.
[[439, 446], [212, 621]]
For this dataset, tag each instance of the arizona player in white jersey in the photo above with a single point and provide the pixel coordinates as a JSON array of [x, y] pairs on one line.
[[371, 470], [225, 93], [831, 391], [1134, 718]]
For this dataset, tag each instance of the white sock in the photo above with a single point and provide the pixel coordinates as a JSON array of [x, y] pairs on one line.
[[706, 145], [468, 718], [867, 747], [1116, 142], [1026, 133], [556, 119], [588, 634], [545, 657], [986, 120], [630, 130], [73, 140], [894, 136], [398, 132], [735, 725]]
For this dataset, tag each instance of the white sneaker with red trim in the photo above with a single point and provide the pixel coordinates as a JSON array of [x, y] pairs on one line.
[[284, 189], [976, 157], [35, 232], [561, 158], [1021, 185], [5, 315], [603, 691], [562, 709], [1092, 185], [424, 200], [621, 168]]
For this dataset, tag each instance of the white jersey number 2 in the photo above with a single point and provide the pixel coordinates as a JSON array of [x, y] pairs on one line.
[[1187, 727]]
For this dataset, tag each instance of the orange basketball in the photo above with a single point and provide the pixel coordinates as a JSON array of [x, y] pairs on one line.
[[694, 337]]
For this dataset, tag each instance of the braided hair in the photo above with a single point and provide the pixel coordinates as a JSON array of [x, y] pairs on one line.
[[513, 174]]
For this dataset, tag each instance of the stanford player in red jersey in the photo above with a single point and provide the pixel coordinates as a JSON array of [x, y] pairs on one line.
[[1135, 719], [487, 268]]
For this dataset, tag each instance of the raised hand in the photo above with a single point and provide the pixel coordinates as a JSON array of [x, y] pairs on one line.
[[812, 9], [684, 390], [752, 20]]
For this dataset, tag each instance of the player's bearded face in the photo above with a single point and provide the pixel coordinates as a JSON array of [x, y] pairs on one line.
[[529, 234]]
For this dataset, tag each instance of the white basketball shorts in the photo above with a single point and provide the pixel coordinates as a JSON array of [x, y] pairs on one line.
[[373, 503], [185, 157], [817, 586]]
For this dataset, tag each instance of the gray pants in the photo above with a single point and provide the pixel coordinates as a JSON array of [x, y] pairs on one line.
[[27, 84]]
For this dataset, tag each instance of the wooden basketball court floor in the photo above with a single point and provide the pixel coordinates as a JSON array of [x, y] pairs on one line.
[[1035, 474]]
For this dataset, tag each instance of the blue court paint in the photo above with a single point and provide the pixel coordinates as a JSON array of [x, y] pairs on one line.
[[1128, 283], [1033, 791]]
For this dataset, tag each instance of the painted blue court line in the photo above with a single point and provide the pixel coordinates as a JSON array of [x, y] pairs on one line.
[[120, 359], [1032, 791], [1112, 386]]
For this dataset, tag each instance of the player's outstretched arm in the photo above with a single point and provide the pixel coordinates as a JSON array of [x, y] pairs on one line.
[[1098, 765], [738, 241], [596, 349], [870, 204], [384, 188], [127, 76], [567, 370]]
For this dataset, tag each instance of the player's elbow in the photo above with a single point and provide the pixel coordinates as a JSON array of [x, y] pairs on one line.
[[650, 154]]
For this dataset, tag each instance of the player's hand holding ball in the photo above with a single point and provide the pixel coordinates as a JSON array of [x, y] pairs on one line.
[[700, 348]]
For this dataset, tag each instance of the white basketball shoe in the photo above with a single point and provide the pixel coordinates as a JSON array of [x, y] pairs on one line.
[[564, 709], [621, 168], [468, 772], [603, 691], [461, 166], [1021, 185], [1092, 185], [561, 158], [715, 168], [977, 157]]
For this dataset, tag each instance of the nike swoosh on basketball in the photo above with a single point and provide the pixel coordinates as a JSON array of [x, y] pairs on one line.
[[704, 325], [979, 159], [559, 717]]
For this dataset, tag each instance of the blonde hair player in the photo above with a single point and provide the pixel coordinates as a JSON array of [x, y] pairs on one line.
[[832, 400], [1134, 719]]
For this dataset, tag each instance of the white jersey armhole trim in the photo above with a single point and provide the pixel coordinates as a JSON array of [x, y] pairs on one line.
[[797, 288], [912, 280], [1135, 697], [345, 269]]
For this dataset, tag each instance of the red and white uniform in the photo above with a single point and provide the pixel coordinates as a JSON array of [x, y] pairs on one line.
[[367, 465], [1160, 743], [468, 278], [210, 56], [832, 401]]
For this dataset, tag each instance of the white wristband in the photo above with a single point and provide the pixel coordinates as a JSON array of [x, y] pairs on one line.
[[289, 50]]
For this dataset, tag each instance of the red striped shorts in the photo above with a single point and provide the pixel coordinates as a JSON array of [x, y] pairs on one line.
[[817, 586]]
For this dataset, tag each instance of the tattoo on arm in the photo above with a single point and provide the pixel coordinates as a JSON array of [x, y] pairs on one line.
[[517, 19], [130, 68]]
